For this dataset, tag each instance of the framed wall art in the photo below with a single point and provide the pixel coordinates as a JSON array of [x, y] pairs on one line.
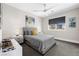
[[72, 22], [29, 20]]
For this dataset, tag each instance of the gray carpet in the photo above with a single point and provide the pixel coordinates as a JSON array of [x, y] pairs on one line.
[[60, 49]]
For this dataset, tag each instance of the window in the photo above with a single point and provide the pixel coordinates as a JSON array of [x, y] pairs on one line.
[[57, 23]]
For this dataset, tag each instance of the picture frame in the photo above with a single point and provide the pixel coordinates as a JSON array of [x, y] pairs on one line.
[[72, 22], [29, 20]]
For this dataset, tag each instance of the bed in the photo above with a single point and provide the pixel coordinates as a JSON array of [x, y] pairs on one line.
[[41, 42]]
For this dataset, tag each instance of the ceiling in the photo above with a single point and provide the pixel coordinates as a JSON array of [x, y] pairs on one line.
[[53, 7]]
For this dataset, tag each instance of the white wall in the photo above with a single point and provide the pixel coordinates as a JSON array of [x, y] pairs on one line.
[[13, 20], [0, 26], [70, 34], [0, 35]]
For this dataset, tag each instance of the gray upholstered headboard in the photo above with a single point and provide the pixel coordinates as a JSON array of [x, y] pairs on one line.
[[27, 30]]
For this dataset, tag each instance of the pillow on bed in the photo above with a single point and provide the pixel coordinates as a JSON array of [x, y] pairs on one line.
[[34, 31]]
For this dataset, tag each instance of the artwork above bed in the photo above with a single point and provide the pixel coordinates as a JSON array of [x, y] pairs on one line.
[[29, 21]]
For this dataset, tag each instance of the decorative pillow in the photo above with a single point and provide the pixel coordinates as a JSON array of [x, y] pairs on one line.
[[34, 31]]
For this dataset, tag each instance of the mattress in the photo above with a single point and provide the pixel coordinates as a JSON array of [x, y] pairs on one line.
[[40, 42]]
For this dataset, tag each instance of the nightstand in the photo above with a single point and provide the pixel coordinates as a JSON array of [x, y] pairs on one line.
[[19, 38]]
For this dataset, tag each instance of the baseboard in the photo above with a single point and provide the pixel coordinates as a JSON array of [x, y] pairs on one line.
[[67, 40]]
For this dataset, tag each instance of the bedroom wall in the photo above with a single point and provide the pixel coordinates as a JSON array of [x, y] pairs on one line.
[[69, 34], [0, 25], [13, 20]]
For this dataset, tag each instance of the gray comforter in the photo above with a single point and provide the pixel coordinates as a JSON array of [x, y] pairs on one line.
[[41, 42]]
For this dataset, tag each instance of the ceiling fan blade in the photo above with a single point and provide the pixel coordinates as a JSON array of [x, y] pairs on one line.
[[44, 10], [38, 10], [48, 9]]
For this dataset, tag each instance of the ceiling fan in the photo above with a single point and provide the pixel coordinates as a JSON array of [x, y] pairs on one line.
[[44, 10]]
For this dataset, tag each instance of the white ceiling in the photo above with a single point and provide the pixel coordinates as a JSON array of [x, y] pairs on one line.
[[55, 7]]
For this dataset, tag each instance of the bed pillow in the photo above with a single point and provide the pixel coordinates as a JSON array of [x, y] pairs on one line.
[[34, 31]]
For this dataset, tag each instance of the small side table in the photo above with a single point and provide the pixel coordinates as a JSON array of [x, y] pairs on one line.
[[19, 38]]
